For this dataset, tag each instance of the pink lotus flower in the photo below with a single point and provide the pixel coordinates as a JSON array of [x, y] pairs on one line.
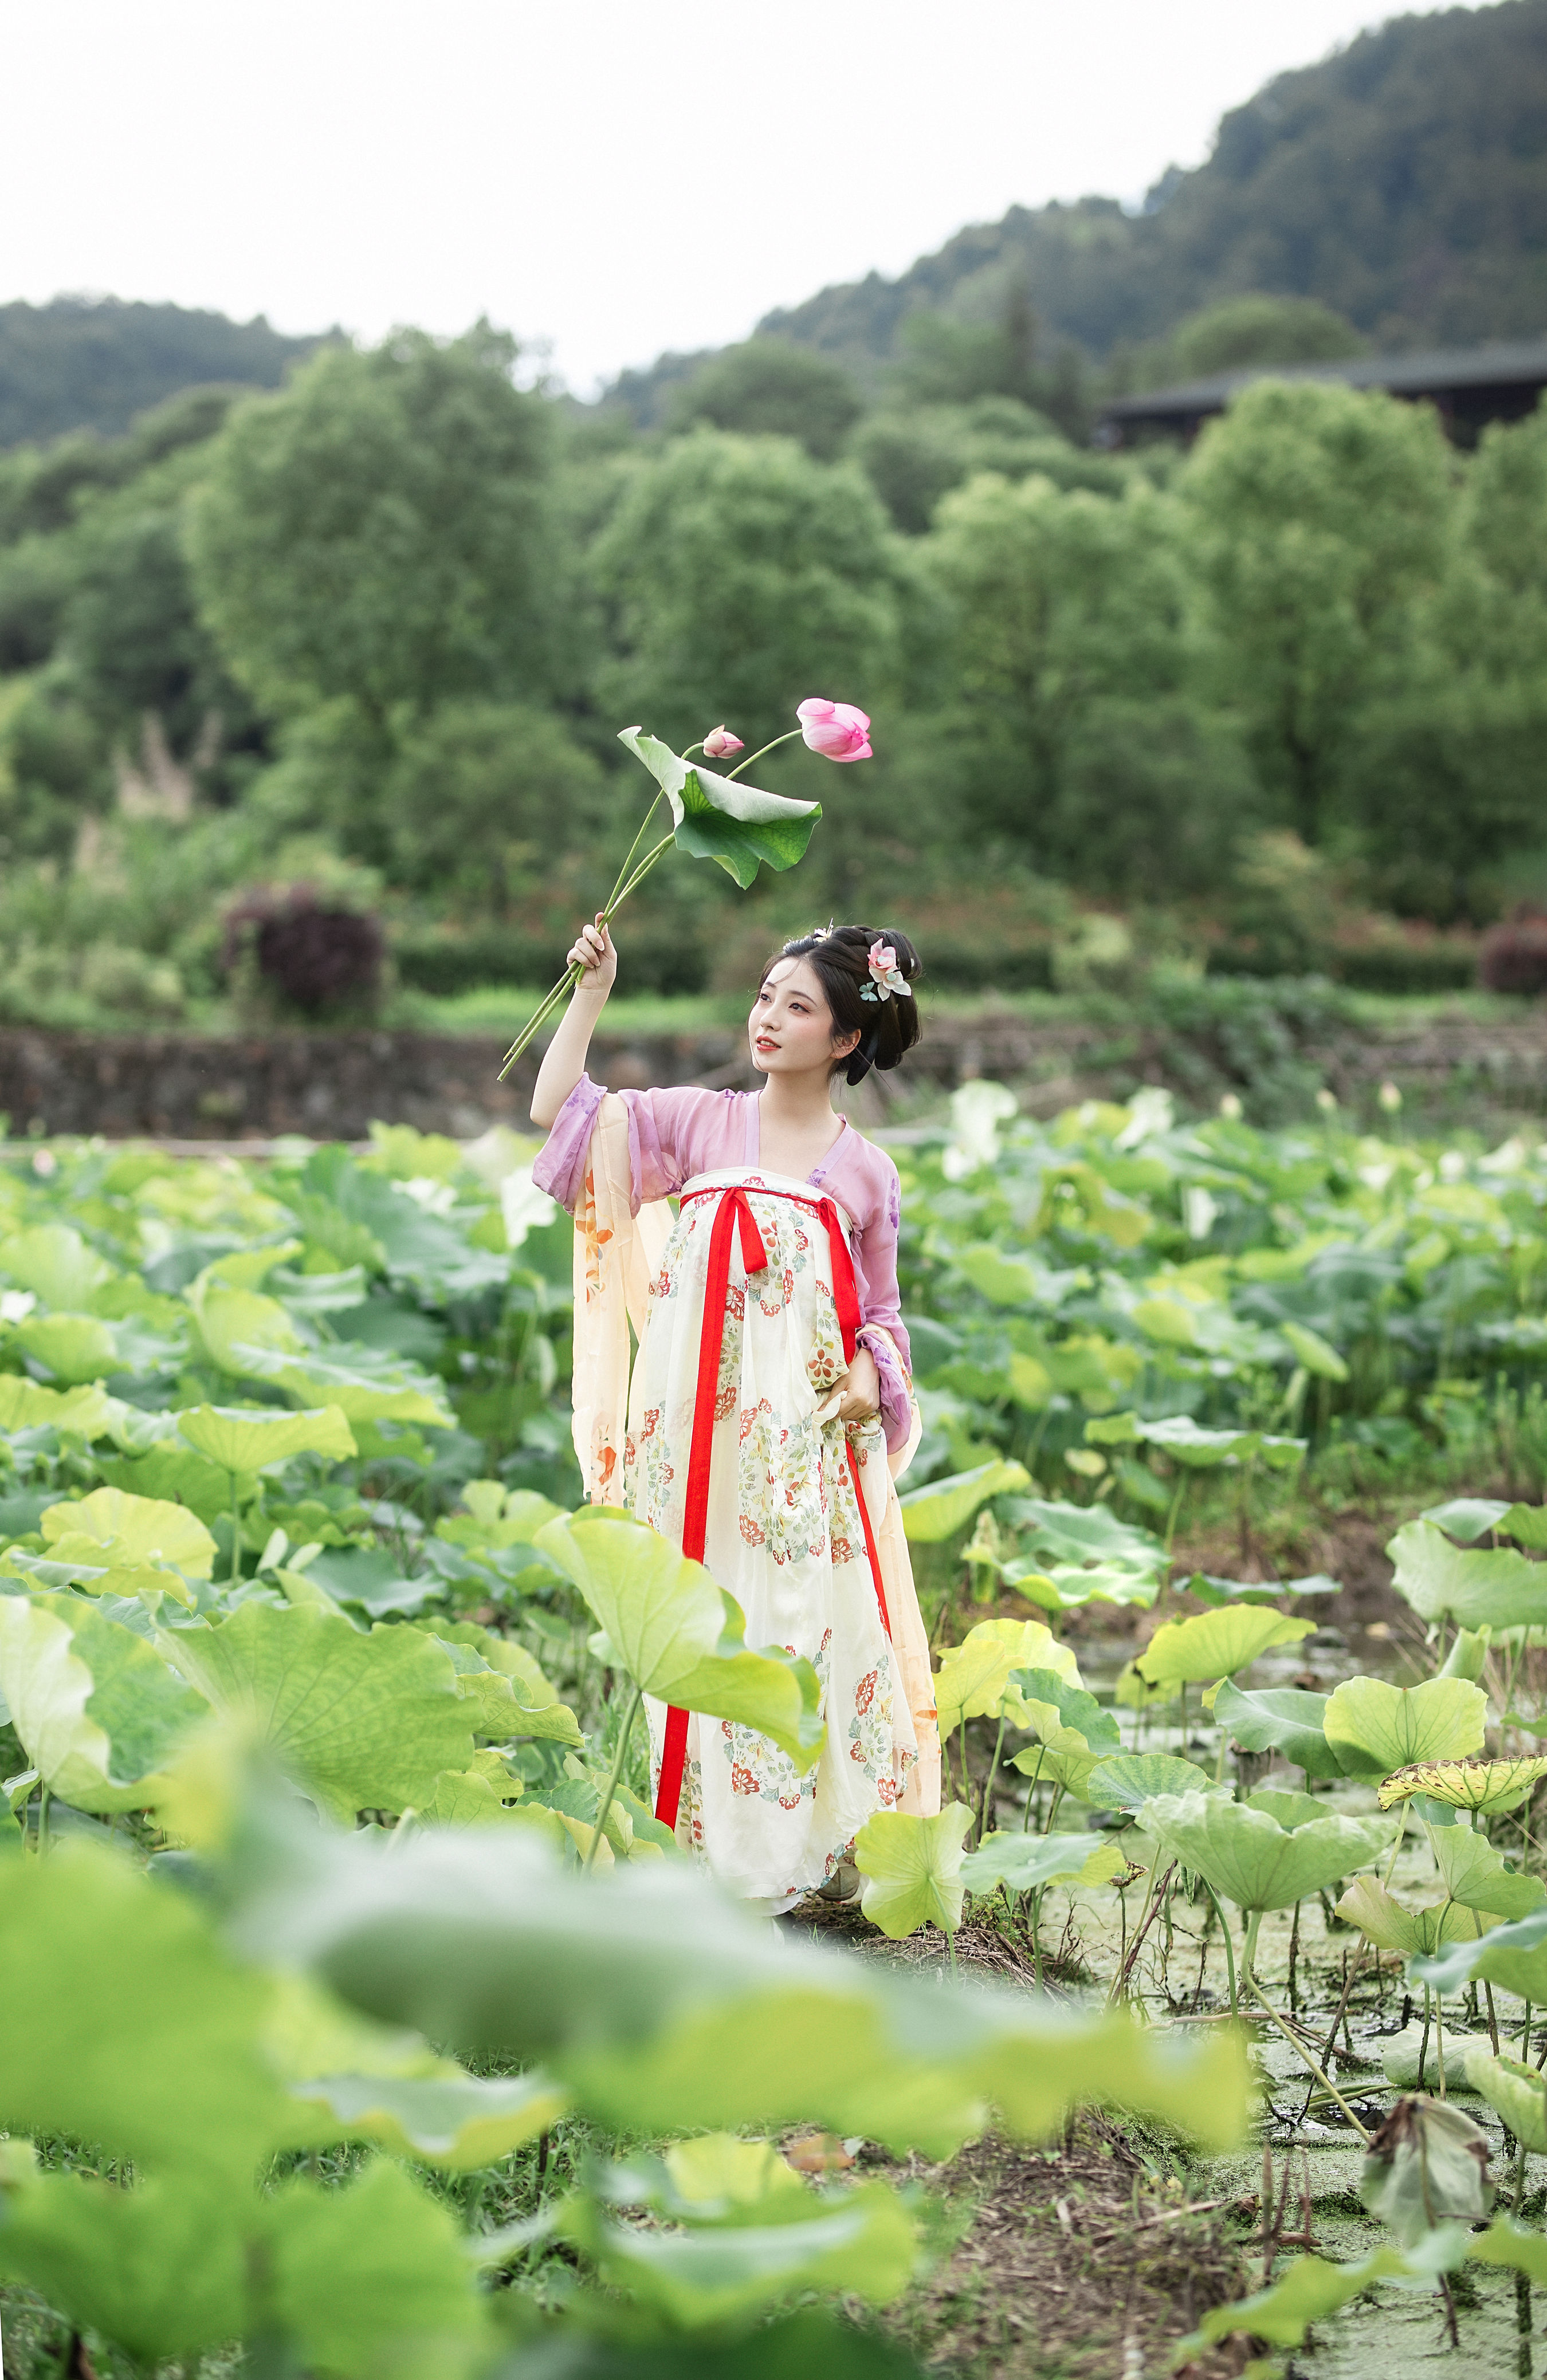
[[720, 744], [834, 729]]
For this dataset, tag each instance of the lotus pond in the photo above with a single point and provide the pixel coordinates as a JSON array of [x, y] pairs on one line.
[[364, 2020]]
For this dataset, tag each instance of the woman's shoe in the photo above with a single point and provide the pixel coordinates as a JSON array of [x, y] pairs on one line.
[[844, 1884]]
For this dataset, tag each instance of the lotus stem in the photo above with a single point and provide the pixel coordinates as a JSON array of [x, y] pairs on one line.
[[236, 1527], [618, 1758], [571, 976], [987, 1815], [787, 738], [1249, 1953], [1229, 1946], [42, 1820], [1301, 2051]]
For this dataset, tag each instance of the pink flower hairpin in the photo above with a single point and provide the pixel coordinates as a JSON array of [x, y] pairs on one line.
[[886, 977]]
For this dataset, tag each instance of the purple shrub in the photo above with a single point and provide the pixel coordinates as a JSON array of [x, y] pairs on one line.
[[1514, 955], [302, 953]]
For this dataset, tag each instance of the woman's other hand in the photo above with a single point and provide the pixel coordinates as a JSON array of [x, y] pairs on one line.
[[859, 1389], [594, 952]]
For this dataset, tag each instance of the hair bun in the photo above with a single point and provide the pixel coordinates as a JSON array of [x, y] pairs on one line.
[[887, 1023]]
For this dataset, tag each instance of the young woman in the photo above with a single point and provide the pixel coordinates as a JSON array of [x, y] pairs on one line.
[[770, 1403]]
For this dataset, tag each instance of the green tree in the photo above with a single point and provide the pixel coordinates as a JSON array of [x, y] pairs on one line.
[[770, 388], [912, 454], [1075, 745], [740, 576], [1257, 330], [380, 532], [1320, 521], [486, 797]]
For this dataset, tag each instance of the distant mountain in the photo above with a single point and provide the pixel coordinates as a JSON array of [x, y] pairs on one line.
[[1403, 182], [93, 363]]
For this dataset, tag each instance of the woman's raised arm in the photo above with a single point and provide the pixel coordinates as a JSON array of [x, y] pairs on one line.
[[564, 1061]]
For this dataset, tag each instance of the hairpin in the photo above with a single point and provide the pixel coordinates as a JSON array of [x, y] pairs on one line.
[[886, 977]]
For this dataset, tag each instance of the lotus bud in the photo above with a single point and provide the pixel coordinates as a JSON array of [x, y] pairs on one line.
[[1230, 1108], [719, 744], [1390, 1098]]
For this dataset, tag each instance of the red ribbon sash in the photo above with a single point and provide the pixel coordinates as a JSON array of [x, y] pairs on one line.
[[734, 1210]]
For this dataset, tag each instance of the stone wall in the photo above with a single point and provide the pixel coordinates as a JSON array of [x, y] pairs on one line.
[[255, 1086]]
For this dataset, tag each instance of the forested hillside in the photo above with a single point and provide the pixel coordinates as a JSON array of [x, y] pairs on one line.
[[1402, 183], [93, 363]]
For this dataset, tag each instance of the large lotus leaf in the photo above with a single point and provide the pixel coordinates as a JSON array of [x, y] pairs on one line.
[[1003, 1279], [1076, 1535], [933, 1513], [864, 2245], [55, 1264], [24, 1404], [242, 1442], [1279, 1719], [532, 1706], [680, 1635], [1499, 1589], [716, 819], [1216, 1643], [233, 1322], [720, 2178], [128, 1531], [1465, 1784], [1467, 1517], [1515, 2092], [1312, 2289], [363, 1386], [1514, 1955], [1252, 1859], [1526, 1524], [1200, 1449], [1511, 2244], [1026, 1862], [373, 2278], [1476, 1875], [73, 1348], [498, 1694], [160, 2268], [912, 1867], [460, 2122], [477, 1936], [1384, 1921], [975, 1676], [98, 1713], [1125, 1780], [1427, 2162], [1061, 1757], [1064, 1587], [364, 1722], [140, 2028], [1291, 1810], [1048, 1702], [171, 1473], [1374, 1728]]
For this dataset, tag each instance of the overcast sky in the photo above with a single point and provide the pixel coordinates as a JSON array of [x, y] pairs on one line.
[[613, 176]]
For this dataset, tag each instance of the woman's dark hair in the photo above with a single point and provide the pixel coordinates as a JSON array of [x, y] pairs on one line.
[[840, 957]]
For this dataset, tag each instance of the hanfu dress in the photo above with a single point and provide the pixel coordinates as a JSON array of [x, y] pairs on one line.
[[747, 1307]]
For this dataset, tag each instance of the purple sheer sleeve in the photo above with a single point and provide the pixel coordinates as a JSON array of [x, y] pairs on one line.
[[560, 1168], [875, 1268]]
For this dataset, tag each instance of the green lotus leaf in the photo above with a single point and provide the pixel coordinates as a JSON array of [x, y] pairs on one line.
[[1427, 2162], [242, 1442], [73, 1348], [1291, 1810], [373, 2278], [717, 818], [933, 1513], [1125, 1780], [1003, 1280], [534, 1708], [974, 1678], [1279, 1719], [1049, 1700], [1064, 1587], [1312, 2288], [100, 1712], [459, 2122], [721, 2179], [1313, 1352], [1515, 2092], [1477, 1876], [55, 1264], [1386, 1921], [1499, 1589], [1249, 1858], [1510, 2243], [1062, 1757], [1026, 1862], [129, 1532], [1374, 1728], [466, 1797], [1526, 1524], [1077, 1534], [1514, 1955], [1216, 1643], [235, 1322], [85, 1413], [362, 1389], [680, 1635], [157, 2268], [1465, 1784], [1200, 1449], [913, 1869], [693, 2278], [1412, 2062], [170, 1473], [363, 1721], [1467, 1517]]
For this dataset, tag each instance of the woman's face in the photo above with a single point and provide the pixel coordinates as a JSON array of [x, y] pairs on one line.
[[790, 1028]]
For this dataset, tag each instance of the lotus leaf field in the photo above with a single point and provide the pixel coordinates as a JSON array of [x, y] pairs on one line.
[[361, 2019]]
